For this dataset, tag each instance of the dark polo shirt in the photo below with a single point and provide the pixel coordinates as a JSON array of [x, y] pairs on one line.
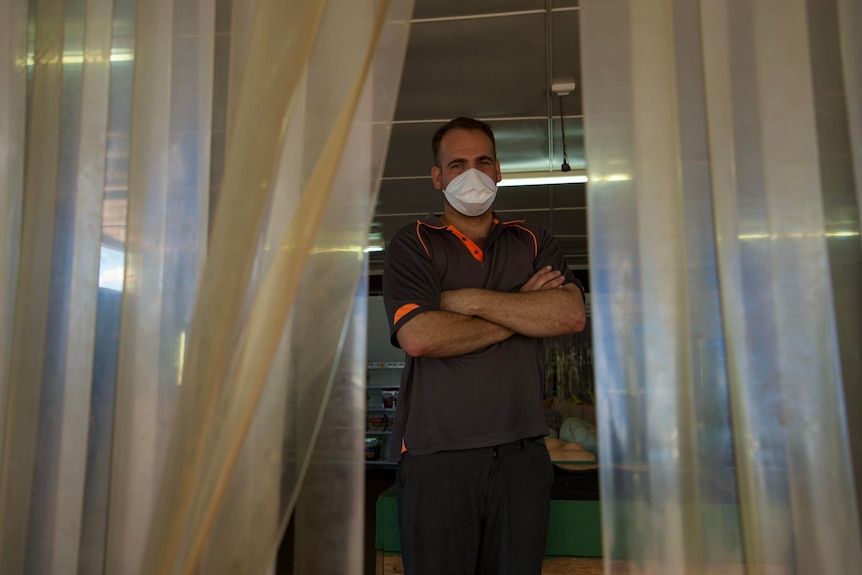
[[493, 395]]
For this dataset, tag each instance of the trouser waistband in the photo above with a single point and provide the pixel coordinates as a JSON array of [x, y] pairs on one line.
[[517, 445]]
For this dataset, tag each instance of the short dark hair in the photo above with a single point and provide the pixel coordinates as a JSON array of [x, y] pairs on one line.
[[460, 123]]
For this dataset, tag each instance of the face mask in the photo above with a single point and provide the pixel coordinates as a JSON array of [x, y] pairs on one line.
[[471, 193]]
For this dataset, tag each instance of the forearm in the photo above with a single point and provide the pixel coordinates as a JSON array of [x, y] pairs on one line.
[[541, 313], [448, 334]]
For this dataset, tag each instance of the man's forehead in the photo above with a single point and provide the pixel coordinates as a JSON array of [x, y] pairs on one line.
[[460, 138]]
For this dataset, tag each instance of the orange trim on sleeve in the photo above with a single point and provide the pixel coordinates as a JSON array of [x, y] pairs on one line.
[[535, 241], [404, 310], [421, 241]]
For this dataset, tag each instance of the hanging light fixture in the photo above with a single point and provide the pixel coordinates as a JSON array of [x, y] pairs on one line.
[[566, 175], [560, 89]]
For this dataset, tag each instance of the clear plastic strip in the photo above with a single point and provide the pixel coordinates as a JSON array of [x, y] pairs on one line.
[[253, 506], [253, 147], [13, 88], [615, 275], [667, 513], [96, 496], [329, 401], [33, 290], [330, 507], [165, 241], [742, 367], [791, 436], [665, 475], [142, 403], [164, 237], [54, 547], [268, 313], [800, 271], [849, 21], [45, 499], [337, 465], [665, 312], [712, 480]]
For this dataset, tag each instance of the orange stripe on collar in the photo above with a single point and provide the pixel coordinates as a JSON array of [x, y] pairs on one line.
[[474, 250]]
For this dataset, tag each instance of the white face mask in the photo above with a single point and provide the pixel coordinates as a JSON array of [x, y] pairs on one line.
[[471, 193]]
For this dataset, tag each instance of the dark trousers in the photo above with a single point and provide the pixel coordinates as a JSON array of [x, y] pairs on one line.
[[475, 512]]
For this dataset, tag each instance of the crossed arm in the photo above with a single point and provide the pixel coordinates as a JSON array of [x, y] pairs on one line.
[[473, 318]]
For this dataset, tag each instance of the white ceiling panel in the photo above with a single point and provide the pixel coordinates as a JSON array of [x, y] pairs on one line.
[[490, 67]]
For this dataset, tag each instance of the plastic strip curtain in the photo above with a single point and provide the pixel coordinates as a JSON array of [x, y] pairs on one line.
[[725, 274], [176, 405], [850, 20], [330, 508], [13, 77], [47, 386], [847, 285]]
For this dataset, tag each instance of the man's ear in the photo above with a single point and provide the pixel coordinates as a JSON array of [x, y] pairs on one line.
[[437, 177], [499, 173]]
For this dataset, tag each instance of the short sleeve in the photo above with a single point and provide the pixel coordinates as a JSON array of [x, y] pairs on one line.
[[410, 283]]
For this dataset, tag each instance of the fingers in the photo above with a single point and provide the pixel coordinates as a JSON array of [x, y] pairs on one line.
[[545, 278], [555, 283]]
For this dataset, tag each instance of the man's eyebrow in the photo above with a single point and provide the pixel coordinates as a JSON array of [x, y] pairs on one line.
[[462, 160], [456, 161]]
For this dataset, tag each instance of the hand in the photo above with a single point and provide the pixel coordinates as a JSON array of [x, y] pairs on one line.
[[545, 278]]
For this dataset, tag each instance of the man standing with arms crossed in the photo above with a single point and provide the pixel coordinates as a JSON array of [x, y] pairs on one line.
[[469, 298]]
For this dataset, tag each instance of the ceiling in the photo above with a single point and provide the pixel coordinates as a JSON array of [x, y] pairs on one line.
[[496, 61]]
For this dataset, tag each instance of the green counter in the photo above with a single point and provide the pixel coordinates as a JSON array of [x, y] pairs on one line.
[[575, 530], [575, 527]]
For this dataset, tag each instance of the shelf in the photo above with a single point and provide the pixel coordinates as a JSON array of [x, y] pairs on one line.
[[377, 386], [378, 433], [385, 365]]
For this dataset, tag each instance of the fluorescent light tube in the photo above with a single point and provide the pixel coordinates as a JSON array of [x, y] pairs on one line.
[[543, 178]]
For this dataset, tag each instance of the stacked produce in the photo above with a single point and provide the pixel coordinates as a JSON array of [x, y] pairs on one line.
[[568, 454], [572, 442]]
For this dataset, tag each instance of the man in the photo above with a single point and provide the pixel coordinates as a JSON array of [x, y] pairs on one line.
[[468, 296]]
